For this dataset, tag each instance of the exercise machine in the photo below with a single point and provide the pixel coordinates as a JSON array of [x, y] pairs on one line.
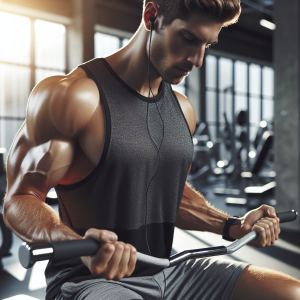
[[58, 251], [201, 156], [5, 240], [231, 167], [263, 145], [263, 148], [255, 174], [263, 127], [5, 233]]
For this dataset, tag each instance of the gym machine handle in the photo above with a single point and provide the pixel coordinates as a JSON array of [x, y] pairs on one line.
[[62, 250]]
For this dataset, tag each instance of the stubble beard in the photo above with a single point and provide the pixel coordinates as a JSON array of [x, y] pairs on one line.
[[162, 65], [164, 70]]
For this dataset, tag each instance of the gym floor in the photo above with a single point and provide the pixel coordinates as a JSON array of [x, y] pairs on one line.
[[284, 256]]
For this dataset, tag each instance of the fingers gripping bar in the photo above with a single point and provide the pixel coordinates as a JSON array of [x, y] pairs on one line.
[[62, 250]]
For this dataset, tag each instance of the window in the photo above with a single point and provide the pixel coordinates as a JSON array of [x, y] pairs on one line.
[[50, 49], [31, 50], [106, 44], [232, 86]]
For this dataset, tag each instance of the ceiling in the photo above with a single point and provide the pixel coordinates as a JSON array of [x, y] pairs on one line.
[[251, 16], [247, 37]]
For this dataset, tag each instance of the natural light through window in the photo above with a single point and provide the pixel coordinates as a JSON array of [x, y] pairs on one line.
[[50, 45], [15, 38], [25, 59]]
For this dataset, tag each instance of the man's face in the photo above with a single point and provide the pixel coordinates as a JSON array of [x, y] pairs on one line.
[[178, 47]]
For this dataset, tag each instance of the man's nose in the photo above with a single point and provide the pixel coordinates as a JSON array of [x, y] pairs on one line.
[[197, 58]]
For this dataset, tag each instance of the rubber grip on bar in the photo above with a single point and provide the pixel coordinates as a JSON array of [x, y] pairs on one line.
[[74, 248], [287, 216]]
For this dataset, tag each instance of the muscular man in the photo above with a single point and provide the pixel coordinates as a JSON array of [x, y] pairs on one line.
[[94, 135]]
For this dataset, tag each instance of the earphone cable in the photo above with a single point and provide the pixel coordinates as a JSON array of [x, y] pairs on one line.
[[158, 156]]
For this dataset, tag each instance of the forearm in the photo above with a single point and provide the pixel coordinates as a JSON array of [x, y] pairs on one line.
[[195, 213], [35, 222]]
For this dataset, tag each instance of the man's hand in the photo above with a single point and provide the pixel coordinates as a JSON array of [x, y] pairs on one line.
[[264, 221], [114, 260]]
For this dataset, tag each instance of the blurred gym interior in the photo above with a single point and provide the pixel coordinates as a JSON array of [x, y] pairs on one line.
[[246, 97]]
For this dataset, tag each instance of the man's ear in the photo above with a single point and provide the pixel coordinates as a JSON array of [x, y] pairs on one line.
[[151, 9]]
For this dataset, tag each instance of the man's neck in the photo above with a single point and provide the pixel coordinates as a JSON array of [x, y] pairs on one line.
[[131, 64]]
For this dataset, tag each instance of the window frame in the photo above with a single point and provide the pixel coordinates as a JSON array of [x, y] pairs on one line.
[[234, 58], [32, 64], [32, 15]]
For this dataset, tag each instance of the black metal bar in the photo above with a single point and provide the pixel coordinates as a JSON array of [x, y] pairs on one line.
[[218, 107], [248, 114], [261, 93], [203, 89], [233, 114]]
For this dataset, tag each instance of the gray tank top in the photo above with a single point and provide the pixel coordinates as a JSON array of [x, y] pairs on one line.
[[114, 196]]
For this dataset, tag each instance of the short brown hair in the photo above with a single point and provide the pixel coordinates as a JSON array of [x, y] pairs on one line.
[[223, 11]]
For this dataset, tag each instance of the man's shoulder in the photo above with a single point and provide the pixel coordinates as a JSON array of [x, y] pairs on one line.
[[62, 105], [188, 110]]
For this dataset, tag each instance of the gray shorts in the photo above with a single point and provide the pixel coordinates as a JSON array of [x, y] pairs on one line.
[[205, 279]]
